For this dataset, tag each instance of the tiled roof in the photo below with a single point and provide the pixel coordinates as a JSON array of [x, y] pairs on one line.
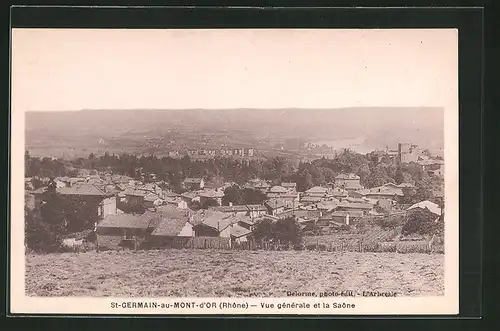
[[345, 176], [171, 212], [289, 184], [239, 231], [193, 180], [317, 189], [353, 213], [431, 206], [355, 205], [278, 189], [149, 219], [82, 189], [151, 197], [125, 221], [169, 227], [230, 209], [275, 203], [213, 219], [311, 199], [135, 192]]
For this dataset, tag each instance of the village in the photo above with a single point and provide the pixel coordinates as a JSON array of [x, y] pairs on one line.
[[144, 213]]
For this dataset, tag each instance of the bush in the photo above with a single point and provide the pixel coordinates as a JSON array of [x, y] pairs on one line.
[[41, 237], [421, 222]]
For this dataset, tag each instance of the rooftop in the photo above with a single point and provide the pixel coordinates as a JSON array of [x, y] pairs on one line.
[[317, 189], [239, 231], [193, 180], [125, 221], [278, 189], [347, 176], [169, 227], [431, 206], [275, 203]]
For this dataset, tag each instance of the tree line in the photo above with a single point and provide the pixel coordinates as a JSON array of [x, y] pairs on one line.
[[374, 169]]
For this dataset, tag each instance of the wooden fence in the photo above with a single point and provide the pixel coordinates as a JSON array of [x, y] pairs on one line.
[[193, 242]]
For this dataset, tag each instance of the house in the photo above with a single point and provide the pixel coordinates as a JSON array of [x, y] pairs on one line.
[[239, 234], [365, 208], [152, 200], [291, 200], [210, 194], [427, 205], [327, 207], [276, 192], [349, 182], [317, 191], [381, 192], [249, 223], [338, 193], [275, 206], [193, 184], [168, 231], [256, 210], [189, 197], [306, 224], [134, 197], [212, 224], [407, 152], [231, 210], [308, 200], [242, 210], [176, 202], [290, 187], [97, 203], [132, 228], [346, 217]]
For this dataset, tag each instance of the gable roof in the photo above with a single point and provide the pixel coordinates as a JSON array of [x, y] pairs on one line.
[[149, 219], [151, 197], [353, 213], [82, 189], [135, 192], [354, 205], [213, 219], [347, 176], [211, 216], [310, 199], [193, 180], [382, 190], [431, 206], [125, 221], [171, 212], [317, 189], [238, 231], [169, 227], [210, 194], [275, 203], [278, 189]]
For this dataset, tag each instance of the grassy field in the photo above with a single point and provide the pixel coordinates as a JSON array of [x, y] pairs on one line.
[[210, 273]]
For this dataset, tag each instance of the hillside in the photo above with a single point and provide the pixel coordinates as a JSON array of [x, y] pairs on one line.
[[128, 130]]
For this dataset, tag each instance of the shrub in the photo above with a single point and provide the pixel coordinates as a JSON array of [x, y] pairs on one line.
[[421, 222], [41, 237]]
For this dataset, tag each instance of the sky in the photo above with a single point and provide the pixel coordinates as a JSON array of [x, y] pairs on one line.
[[73, 69]]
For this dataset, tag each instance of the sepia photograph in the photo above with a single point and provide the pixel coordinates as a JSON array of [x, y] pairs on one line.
[[258, 170]]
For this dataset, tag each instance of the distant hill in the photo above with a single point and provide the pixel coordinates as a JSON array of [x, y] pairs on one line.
[[377, 126]]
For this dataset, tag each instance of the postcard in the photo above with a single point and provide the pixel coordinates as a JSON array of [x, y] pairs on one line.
[[234, 171]]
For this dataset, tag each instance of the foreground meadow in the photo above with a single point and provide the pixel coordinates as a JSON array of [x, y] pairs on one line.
[[213, 273]]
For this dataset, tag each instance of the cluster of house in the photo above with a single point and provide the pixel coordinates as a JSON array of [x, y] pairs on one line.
[[408, 152], [168, 215], [249, 152]]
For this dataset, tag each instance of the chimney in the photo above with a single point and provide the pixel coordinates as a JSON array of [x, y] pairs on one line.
[[230, 204]]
